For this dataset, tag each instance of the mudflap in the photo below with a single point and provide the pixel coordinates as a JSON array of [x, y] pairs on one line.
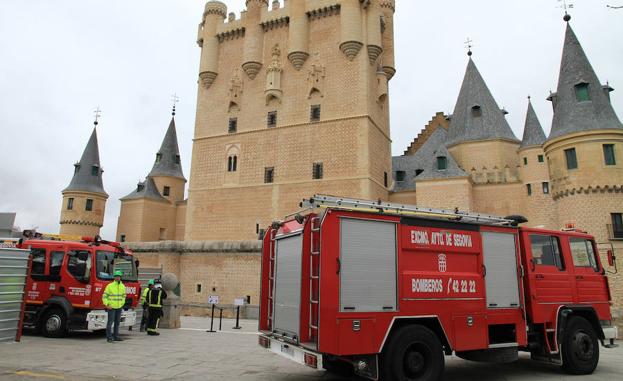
[[366, 366], [493, 355]]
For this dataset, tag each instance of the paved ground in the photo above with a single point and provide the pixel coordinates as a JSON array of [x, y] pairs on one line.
[[192, 354]]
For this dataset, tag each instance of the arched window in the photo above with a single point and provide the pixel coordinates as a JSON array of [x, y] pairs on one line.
[[232, 163]]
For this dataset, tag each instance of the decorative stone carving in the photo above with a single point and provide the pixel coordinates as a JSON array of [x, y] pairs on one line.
[[298, 59], [235, 87], [207, 78], [273, 76], [252, 68], [351, 49], [316, 77], [374, 52]]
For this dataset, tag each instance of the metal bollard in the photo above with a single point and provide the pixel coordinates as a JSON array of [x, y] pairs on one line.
[[212, 321], [237, 318], [220, 321]]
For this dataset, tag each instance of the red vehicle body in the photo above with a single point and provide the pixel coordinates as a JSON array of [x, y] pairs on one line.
[[387, 291], [64, 290]]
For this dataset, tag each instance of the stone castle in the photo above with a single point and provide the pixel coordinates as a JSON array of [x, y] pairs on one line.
[[294, 100]]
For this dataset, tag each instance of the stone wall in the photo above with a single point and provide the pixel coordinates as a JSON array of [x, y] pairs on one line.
[[228, 269]]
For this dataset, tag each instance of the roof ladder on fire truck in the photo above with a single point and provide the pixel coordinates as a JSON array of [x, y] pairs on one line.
[[323, 201], [271, 278], [314, 278]]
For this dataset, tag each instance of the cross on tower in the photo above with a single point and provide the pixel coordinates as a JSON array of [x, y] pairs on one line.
[[469, 46], [98, 114], [566, 5], [174, 99]]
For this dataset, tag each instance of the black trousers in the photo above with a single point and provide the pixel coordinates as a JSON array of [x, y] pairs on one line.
[[144, 318], [155, 313]]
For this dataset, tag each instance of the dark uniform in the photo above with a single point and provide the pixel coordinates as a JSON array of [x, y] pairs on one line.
[[155, 296]]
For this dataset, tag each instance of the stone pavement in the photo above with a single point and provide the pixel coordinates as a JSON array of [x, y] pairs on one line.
[[192, 354]]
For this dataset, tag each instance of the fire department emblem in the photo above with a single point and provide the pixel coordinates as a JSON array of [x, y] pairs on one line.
[[441, 261]]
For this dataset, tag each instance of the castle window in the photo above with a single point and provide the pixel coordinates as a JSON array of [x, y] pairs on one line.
[[89, 206], [317, 171], [178, 160], [545, 188], [541, 158], [442, 163], [76, 168], [581, 92], [476, 111], [70, 203], [385, 180], [198, 288], [525, 161], [166, 191], [314, 113], [94, 170], [418, 172], [609, 157], [122, 238], [617, 225], [232, 163], [158, 157], [401, 175], [140, 187], [572, 159], [529, 189], [233, 125], [271, 119], [269, 175]]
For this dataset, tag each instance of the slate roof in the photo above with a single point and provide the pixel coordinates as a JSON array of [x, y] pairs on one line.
[[146, 189], [570, 115], [169, 164], [533, 134], [83, 179], [464, 126], [425, 159]]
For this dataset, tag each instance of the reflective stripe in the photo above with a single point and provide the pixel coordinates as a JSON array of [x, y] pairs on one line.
[[114, 295]]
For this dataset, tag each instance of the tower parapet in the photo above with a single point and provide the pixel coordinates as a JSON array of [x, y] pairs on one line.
[[214, 14], [375, 37], [298, 38], [351, 39], [254, 38]]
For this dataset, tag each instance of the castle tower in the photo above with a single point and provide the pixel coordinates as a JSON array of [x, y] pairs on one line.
[[538, 206], [585, 146], [479, 137], [294, 104], [155, 210], [84, 200]]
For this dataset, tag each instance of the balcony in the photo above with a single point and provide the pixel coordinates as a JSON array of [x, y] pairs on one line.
[[615, 232]]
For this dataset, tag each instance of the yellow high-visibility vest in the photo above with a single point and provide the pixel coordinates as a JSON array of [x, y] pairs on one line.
[[114, 295]]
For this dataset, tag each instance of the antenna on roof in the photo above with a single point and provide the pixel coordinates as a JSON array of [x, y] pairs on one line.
[[469, 45], [98, 114], [566, 5], [174, 99]]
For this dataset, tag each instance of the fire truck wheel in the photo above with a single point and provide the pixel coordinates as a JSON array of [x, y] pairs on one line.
[[54, 323], [413, 354], [580, 348]]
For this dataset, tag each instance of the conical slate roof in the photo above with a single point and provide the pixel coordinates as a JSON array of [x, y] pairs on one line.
[[146, 189], [88, 172], [168, 161], [571, 115], [465, 124], [425, 161], [533, 134]]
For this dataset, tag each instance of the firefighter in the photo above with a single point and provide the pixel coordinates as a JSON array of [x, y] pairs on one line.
[[155, 296], [150, 285], [114, 300]]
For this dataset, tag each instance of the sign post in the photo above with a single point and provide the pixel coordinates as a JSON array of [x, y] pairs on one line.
[[213, 300], [238, 302]]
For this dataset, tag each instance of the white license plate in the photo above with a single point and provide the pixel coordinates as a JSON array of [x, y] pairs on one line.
[[287, 350]]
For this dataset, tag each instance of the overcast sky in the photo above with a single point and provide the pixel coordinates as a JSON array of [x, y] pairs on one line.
[[61, 59]]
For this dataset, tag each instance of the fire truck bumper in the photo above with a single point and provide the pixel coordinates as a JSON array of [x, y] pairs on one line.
[[97, 319], [292, 352]]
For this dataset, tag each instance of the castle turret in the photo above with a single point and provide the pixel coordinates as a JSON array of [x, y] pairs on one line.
[[374, 35], [298, 38], [388, 8], [214, 14], [254, 37], [585, 146], [351, 33], [84, 200], [479, 136]]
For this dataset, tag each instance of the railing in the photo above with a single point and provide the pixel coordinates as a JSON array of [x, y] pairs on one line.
[[615, 233]]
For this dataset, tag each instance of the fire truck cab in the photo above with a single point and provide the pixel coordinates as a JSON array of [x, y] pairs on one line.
[[386, 290], [67, 280]]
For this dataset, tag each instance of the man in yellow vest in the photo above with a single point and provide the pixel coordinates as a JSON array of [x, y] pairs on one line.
[[114, 300], [150, 285], [155, 296]]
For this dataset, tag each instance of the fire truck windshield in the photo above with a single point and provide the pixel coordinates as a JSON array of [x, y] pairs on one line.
[[108, 262]]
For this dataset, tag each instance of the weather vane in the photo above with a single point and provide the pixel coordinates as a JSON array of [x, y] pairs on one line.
[[469, 45], [566, 5], [174, 99], [98, 114], [615, 6]]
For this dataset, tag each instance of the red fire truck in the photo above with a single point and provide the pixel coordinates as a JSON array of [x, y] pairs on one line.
[[389, 289], [64, 290]]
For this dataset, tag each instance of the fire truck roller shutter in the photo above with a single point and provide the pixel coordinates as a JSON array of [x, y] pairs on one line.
[[500, 257], [288, 285], [368, 266]]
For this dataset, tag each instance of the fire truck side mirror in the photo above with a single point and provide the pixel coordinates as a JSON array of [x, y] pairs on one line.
[[611, 258]]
